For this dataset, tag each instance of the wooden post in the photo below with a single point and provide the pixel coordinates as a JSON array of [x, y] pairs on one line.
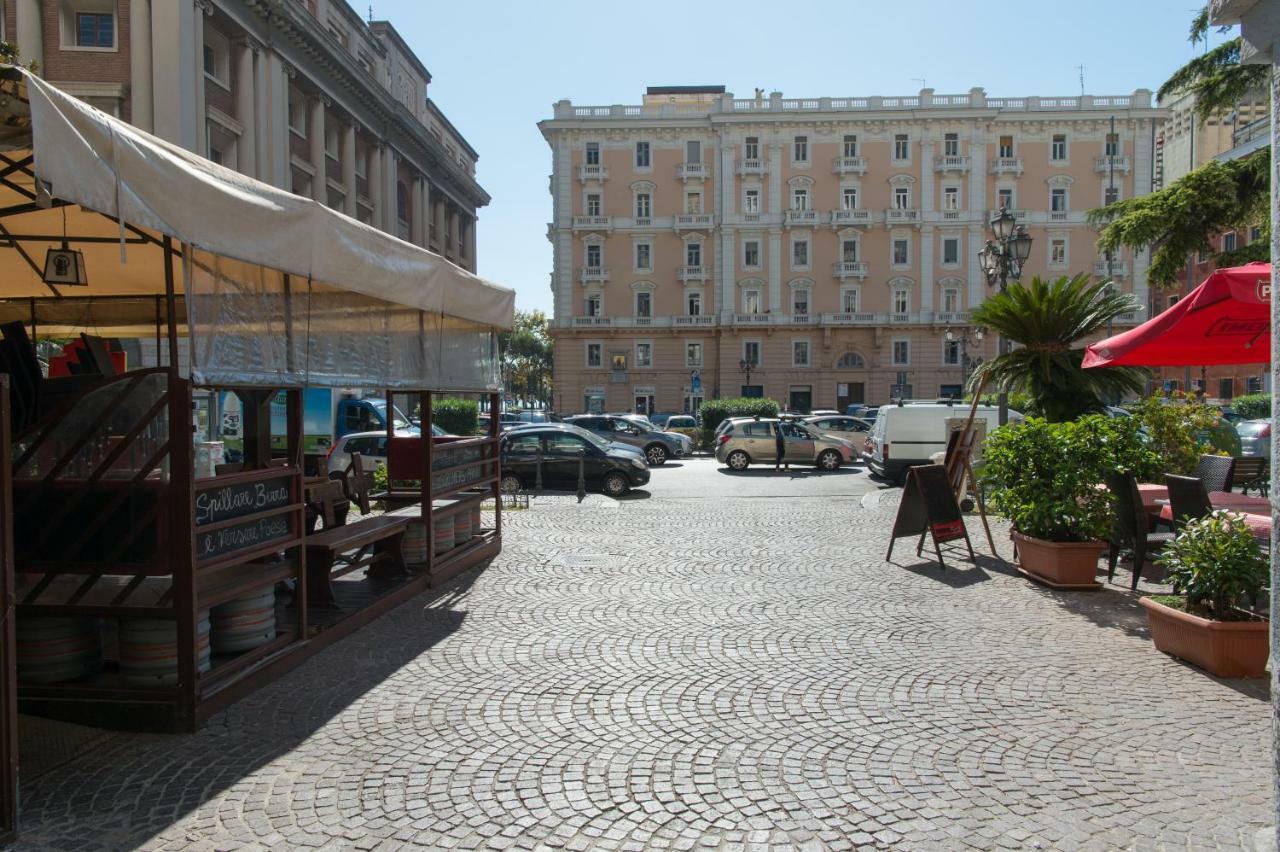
[[182, 546], [171, 303], [297, 458], [426, 505], [8, 652], [497, 465], [159, 319], [256, 405]]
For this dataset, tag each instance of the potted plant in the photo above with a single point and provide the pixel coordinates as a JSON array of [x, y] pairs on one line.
[[1212, 563], [1044, 477]]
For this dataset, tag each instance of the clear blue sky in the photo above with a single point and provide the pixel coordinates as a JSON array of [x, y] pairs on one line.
[[498, 67]]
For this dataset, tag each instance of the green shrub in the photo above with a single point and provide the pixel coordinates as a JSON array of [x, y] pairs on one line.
[[1179, 429], [1044, 476], [1019, 401], [1252, 406], [714, 412], [456, 416], [1214, 561]]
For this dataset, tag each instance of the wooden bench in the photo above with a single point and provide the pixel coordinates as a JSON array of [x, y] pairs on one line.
[[376, 542]]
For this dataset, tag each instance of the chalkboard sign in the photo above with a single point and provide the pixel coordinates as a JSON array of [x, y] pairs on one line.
[[237, 499], [929, 507], [245, 536]]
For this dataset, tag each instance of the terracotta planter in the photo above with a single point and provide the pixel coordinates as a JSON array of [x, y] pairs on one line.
[[1222, 648], [1065, 565]]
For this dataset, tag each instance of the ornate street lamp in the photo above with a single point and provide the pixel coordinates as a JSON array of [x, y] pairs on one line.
[[747, 366], [962, 337], [1002, 258]]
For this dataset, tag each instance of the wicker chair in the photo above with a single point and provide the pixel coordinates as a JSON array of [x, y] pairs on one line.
[[1131, 531], [1188, 499], [1216, 472], [1250, 473]]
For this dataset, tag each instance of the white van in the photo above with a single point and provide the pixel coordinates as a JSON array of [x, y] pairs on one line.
[[909, 433]]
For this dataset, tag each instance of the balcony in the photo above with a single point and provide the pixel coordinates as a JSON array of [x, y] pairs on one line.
[[592, 322], [693, 171], [801, 218], [1122, 162], [849, 269], [1119, 269], [803, 319], [751, 319], [1059, 215], [593, 223], [850, 319], [899, 319], [643, 322], [694, 320], [596, 172], [693, 273], [951, 318], [1007, 166], [896, 216], [1019, 216], [844, 218], [951, 163], [850, 165], [593, 274], [752, 167], [694, 221]]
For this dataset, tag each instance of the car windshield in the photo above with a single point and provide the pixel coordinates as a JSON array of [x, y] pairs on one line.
[[401, 421], [1252, 428]]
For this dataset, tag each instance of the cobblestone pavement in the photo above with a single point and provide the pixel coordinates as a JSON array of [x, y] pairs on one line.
[[734, 674]]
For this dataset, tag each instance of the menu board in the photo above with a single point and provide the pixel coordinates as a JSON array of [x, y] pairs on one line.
[[216, 505]]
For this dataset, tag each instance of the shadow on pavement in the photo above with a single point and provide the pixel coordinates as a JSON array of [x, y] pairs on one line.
[[794, 473]]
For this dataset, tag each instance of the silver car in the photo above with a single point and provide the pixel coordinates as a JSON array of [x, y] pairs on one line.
[[1255, 438], [744, 441], [850, 429], [658, 446]]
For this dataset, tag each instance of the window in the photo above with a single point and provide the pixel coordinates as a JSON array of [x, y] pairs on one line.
[[1226, 388], [593, 204], [1057, 252], [565, 444], [951, 352], [1113, 145], [800, 302], [1006, 146], [751, 148], [642, 155], [849, 251], [950, 301], [644, 304], [901, 300], [1005, 197], [799, 353], [800, 149], [799, 199], [851, 145], [693, 303], [1255, 234], [1111, 195], [593, 154], [951, 145], [751, 301], [1058, 148], [1173, 300], [693, 203], [1202, 256], [751, 254], [211, 65], [644, 355], [901, 198], [951, 250], [595, 357], [297, 113], [693, 254], [800, 253], [901, 255], [593, 256], [849, 300], [644, 206], [951, 198], [751, 201], [901, 147], [1058, 200], [692, 152], [95, 29], [901, 352], [593, 305], [644, 257], [751, 351], [1229, 242], [849, 198], [693, 354]]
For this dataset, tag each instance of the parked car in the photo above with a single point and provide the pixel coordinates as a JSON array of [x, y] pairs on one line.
[[608, 467], [537, 415], [658, 446], [744, 441], [1255, 438], [680, 421], [851, 429], [631, 415], [823, 412], [372, 447], [505, 421], [862, 411], [908, 434]]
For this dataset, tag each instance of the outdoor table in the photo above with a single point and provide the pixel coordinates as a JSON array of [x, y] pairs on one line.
[[1152, 496], [1255, 510]]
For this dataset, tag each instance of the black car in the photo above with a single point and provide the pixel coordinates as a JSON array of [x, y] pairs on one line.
[[611, 468]]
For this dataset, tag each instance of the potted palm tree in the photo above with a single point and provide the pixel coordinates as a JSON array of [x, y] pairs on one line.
[[1213, 563]]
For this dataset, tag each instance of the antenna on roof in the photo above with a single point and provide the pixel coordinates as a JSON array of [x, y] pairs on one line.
[[371, 13], [1080, 68], [921, 81]]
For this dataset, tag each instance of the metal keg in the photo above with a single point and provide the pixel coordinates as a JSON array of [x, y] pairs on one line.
[[53, 650], [415, 543], [244, 622], [444, 534], [149, 649], [461, 527]]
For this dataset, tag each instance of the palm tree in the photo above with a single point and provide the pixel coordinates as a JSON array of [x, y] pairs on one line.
[[1044, 318]]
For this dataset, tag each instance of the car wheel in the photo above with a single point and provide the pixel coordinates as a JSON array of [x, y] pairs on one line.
[[655, 454], [616, 484], [738, 460], [510, 483], [829, 460]]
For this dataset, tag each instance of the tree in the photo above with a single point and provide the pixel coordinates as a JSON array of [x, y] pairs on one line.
[[527, 355], [1217, 78], [1045, 318]]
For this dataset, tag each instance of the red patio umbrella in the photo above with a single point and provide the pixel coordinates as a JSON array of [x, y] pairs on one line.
[[1226, 320]]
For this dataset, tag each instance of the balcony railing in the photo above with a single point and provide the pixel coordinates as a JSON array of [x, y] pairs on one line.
[[900, 318], [592, 223], [951, 163], [849, 269], [687, 221], [850, 165], [851, 319], [593, 274], [951, 317], [1102, 165], [643, 322], [751, 319], [694, 273], [802, 217], [897, 216], [1119, 269], [597, 172], [1059, 215], [802, 319], [692, 171], [753, 167], [592, 322], [1018, 215], [1007, 166], [695, 320], [841, 218]]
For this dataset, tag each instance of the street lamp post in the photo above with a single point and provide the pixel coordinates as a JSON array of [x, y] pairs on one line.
[[1001, 259], [962, 338], [746, 366]]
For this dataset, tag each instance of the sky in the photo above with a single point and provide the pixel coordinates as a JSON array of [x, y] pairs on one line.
[[497, 68]]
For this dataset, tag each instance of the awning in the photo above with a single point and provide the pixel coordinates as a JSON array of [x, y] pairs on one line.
[[1226, 320]]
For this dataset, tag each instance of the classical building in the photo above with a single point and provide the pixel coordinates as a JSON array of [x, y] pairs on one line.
[[827, 243], [302, 94]]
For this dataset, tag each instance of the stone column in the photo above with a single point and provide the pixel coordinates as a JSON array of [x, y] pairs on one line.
[[141, 106], [776, 250], [415, 213], [423, 212], [315, 136], [246, 108], [442, 233], [273, 118], [175, 107], [30, 32], [348, 155], [204, 8], [373, 174], [926, 271], [471, 244], [390, 215]]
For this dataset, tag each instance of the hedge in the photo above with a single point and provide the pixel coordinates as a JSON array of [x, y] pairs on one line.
[[711, 414], [456, 416], [1252, 406]]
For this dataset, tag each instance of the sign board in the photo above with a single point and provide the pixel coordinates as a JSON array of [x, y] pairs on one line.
[[245, 536], [929, 507], [236, 499], [842, 389], [218, 504], [900, 392]]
